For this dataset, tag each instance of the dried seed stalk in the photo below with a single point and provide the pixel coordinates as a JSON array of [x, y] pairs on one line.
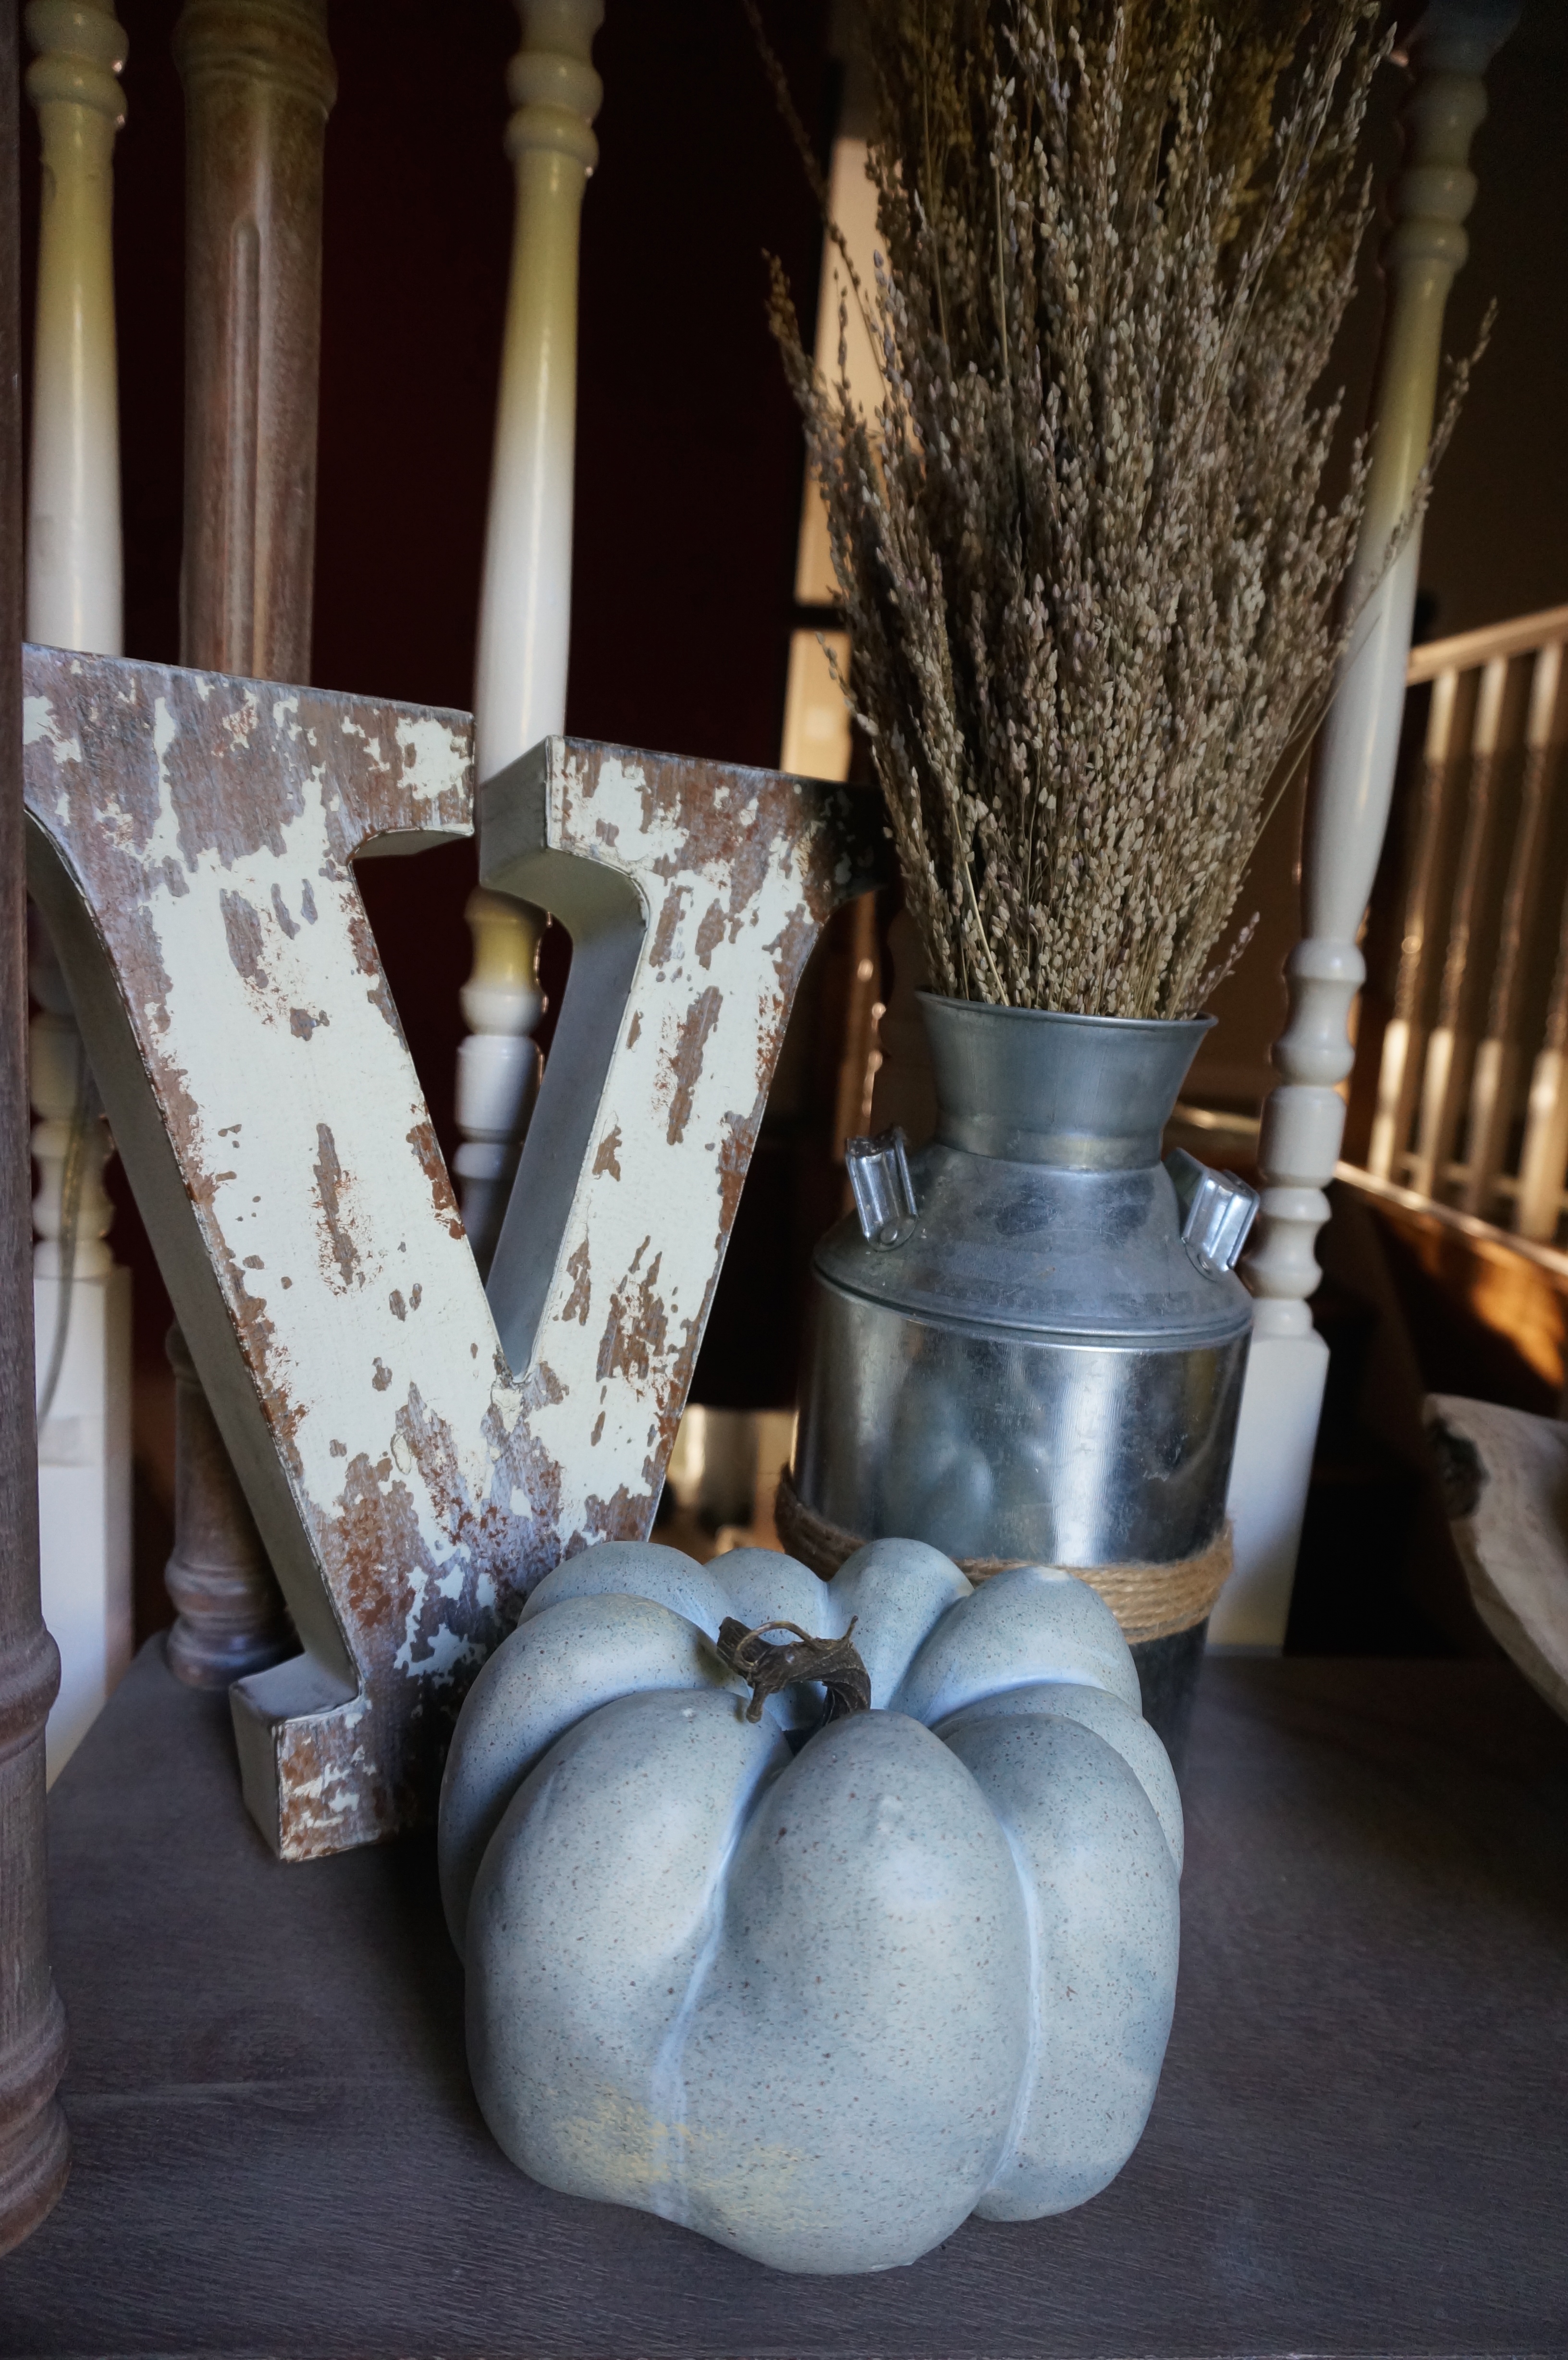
[[1090, 578]]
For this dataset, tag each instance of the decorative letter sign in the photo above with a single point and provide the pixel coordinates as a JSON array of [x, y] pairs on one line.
[[416, 1461]]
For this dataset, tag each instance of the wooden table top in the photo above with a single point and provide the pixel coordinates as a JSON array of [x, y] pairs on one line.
[[1360, 2143]]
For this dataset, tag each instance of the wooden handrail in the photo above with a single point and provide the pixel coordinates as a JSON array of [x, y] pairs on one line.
[[1467, 650], [1486, 1235]]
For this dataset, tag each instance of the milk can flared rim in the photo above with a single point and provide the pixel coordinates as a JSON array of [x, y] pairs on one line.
[[1042, 1086]]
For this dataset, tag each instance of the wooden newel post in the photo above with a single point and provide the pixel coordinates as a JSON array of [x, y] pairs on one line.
[[259, 83], [525, 614], [1347, 813], [34, 2149]]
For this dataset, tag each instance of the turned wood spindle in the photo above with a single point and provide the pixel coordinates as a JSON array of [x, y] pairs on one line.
[[74, 563], [1498, 1057], [1347, 813], [525, 610], [259, 83], [55, 1059], [74, 570], [81, 1313], [1400, 1066], [498, 1063], [34, 2152], [230, 1617], [1543, 1159], [1446, 1069]]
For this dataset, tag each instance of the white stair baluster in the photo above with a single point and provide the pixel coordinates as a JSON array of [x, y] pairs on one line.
[[1400, 1066], [1543, 1159], [524, 611], [74, 593], [1347, 813], [74, 599], [1496, 1073], [1446, 1072], [497, 1064]]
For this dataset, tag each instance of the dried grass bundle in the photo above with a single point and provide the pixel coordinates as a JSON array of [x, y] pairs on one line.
[[1090, 580]]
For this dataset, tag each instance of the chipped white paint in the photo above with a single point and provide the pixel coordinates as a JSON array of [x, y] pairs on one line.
[[709, 921], [409, 1478]]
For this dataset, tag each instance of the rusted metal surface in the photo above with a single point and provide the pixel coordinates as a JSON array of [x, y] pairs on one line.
[[414, 1463]]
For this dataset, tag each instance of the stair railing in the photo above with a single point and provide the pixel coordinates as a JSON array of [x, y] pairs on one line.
[[1347, 810], [1471, 1108]]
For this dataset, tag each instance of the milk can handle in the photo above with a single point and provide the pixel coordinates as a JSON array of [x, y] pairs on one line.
[[1216, 1212], [884, 1193]]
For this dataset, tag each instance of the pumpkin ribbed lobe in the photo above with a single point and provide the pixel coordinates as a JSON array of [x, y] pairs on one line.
[[769, 1664]]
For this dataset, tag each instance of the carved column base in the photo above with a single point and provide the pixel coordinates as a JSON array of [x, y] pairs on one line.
[[232, 1619]]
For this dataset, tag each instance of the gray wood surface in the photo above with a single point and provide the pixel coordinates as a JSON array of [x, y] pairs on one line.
[[1360, 2143]]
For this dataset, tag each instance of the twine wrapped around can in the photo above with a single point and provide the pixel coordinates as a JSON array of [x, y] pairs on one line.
[[1150, 1602]]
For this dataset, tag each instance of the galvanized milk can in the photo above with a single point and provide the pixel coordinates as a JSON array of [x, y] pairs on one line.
[[1028, 1344]]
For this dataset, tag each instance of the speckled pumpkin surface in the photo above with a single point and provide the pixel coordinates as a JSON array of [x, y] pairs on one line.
[[819, 1990]]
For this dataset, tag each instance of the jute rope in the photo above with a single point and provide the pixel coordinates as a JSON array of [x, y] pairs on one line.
[[1150, 1602]]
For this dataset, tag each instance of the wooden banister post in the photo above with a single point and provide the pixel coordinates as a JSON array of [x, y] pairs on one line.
[[1347, 813], [259, 83], [34, 2149], [525, 613], [82, 1300]]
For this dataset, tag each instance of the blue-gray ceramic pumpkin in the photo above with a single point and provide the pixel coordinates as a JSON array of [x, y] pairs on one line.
[[820, 2000]]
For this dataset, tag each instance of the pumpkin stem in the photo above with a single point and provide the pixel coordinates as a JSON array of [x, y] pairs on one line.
[[769, 1664]]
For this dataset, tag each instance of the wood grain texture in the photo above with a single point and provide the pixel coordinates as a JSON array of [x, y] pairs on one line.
[[230, 1617], [34, 2150], [258, 84], [415, 1456], [1358, 2145]]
